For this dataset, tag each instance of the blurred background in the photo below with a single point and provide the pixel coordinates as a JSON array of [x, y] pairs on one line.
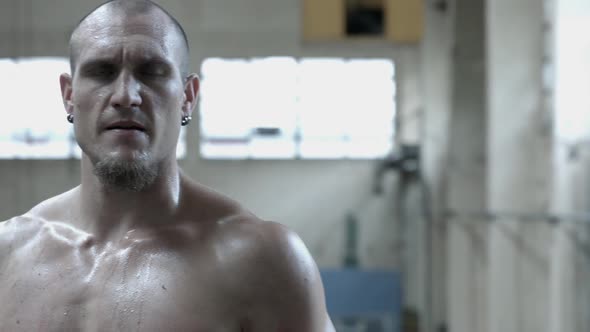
[[432, 154]]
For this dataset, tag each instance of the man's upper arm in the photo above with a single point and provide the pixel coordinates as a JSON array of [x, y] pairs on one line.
[[296, 297]]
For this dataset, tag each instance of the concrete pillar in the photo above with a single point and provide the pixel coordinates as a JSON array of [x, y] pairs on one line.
[[436, 77], [409, 212], [467, 244], [519, 168], [563, 295]]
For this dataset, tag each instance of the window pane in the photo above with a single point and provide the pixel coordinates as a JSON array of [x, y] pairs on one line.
[[283, 108], [573, 75], [40, 131]]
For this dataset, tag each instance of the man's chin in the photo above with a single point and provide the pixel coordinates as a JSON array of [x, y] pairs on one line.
[[126, 172]]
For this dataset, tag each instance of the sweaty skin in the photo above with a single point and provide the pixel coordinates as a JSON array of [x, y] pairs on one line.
[[214, 267], [169, 255]]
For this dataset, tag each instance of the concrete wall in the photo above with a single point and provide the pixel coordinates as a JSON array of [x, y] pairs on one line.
[[436, 56], [313, 196], [467, 237]]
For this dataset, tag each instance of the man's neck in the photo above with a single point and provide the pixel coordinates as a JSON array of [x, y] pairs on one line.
[[108, 214]]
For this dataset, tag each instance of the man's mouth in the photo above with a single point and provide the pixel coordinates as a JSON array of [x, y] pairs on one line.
[[125, 128], [126, 125]]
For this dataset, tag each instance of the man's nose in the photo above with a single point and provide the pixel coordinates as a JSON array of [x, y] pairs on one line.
[[127, 92]]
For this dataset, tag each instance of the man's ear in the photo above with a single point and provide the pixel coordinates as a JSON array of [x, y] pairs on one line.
[[65, 83], [191, 91]]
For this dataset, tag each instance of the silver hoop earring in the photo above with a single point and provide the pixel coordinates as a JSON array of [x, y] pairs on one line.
[[70, 118], [185, 120]]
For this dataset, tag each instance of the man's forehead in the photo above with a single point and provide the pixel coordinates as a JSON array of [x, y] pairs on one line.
[[129, 23], [117, 51], [113, 22], [102, 33]]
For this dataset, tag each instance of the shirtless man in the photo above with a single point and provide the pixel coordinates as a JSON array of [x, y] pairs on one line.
[[138, 246]]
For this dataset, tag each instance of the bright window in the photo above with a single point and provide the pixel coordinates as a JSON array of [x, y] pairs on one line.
[[572, 72], [286, 108], [34, 125]]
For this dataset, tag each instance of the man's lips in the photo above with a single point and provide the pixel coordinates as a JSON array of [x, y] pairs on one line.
[[125, 125]]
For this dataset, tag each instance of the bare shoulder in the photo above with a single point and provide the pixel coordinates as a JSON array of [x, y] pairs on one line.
[[249, 245], [15, 233], [268, 241], [14, 230], [264, 265], [20, 230], [272, 269]]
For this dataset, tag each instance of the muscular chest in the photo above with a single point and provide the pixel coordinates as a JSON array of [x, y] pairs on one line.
[[127, 290]]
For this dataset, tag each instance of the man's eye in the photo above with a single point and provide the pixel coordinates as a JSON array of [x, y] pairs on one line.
[[153, 71], [103, 72]]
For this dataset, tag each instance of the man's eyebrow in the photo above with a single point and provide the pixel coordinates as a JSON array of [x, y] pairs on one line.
[[96, 63], [156, 60], [145, 60]]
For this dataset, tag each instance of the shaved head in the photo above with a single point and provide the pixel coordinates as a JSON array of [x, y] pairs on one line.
[[126, 8]]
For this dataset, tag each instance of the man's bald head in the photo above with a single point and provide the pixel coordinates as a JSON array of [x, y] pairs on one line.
[[128, 8]]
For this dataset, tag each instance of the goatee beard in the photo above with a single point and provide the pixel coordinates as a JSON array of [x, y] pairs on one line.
[[121, 175]]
